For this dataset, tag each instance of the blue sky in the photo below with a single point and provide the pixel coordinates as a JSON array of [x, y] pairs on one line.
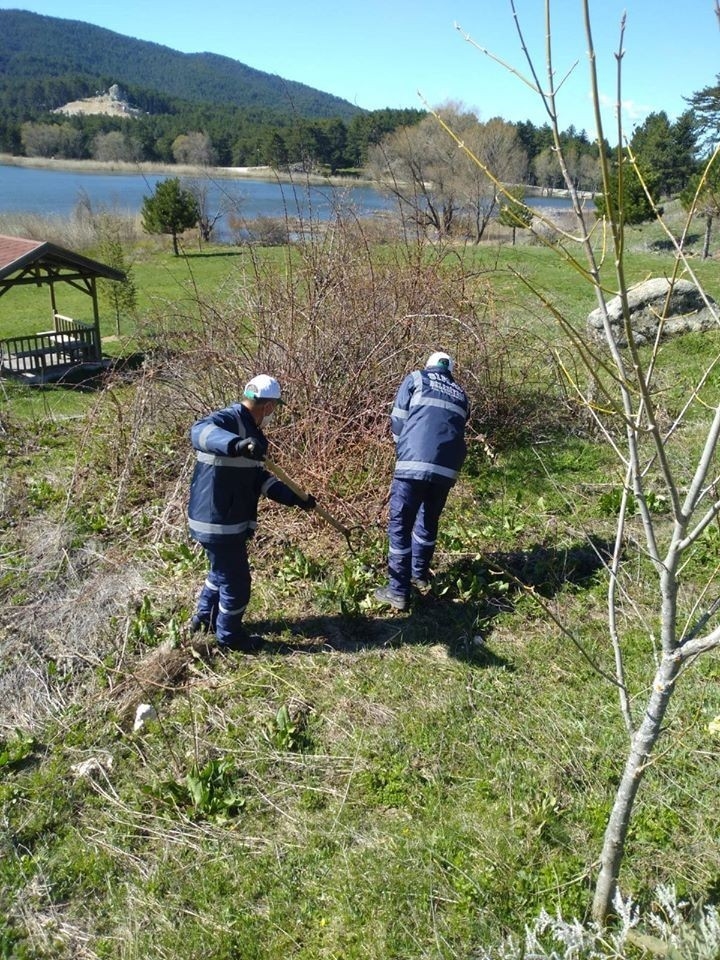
[[397, 53]]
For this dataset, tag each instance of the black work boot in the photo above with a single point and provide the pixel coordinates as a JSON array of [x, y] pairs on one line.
[[241, 642], [391, 598]]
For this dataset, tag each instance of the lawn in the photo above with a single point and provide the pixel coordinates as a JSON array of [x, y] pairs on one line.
[[160, 279], [370, 785]]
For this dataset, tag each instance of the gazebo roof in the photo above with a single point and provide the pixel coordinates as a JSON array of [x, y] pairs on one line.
[[38, 261]]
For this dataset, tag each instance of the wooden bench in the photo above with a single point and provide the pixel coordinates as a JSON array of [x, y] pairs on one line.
[[71, 346], [38, 352], [15, 360]]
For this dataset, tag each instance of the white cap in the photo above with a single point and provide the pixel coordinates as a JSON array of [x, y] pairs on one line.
[[262, 387], [440, 359]]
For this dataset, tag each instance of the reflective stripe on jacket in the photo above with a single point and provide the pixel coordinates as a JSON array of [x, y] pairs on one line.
[[428, 425], [225, 489]]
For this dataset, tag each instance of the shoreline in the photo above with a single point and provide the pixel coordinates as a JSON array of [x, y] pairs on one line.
[[227, 173], [178, 170]]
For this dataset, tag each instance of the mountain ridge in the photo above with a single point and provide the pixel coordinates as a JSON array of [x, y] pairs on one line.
[[35, 45]]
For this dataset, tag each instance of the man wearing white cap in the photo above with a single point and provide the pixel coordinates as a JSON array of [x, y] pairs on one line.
[[227, 483], [428, 424]]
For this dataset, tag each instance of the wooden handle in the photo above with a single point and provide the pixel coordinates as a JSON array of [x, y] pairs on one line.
[[298, 491]]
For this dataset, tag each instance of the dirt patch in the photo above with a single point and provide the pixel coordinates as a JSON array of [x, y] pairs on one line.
[[110, 104]]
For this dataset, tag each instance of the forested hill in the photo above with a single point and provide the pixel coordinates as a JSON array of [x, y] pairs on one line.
[[48, 61]]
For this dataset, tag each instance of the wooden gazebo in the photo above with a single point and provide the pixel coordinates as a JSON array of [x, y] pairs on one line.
[[50, 353]]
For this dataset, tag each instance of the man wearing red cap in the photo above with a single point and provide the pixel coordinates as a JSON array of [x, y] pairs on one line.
[[227, 482], [428, 425]]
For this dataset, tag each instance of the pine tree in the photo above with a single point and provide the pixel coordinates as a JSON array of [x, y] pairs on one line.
[[120, 296], [171, 209]]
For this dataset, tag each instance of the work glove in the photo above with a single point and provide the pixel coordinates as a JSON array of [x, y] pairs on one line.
[[308, 504], [252, 447]]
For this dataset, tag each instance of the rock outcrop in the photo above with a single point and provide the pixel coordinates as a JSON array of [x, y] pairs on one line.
[[684, 311], [111, 104]]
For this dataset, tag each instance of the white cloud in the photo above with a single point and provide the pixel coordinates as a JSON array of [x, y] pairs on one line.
[[632, 112], [636, 111]]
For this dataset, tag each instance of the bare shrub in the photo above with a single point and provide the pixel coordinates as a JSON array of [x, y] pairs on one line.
[[340, 323], [379, 228], [263, 230]]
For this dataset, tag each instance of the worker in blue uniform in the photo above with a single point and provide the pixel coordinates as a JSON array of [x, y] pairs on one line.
[[227, 482], [428, 425]]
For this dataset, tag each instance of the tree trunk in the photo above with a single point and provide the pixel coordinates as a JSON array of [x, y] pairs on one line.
[[641, 748], [706, 243]]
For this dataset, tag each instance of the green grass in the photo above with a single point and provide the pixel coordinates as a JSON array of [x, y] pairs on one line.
[[371, 785], [450, 815], [160, 279]]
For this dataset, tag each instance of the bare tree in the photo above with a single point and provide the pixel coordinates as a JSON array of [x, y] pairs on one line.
[[435, 182], [497, 144], [589, 173], [650, 455], [419, 166], [547, 169], [115, 146], [51, 139], [207, 218], [195, 149]]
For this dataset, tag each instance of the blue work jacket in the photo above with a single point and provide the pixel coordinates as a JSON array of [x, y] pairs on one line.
[[225, 489], [428, 425]]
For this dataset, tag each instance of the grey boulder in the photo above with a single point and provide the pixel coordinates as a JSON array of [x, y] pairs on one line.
[[685, 311]]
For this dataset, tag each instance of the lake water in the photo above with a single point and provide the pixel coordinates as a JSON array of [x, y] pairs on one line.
[[57, 193]]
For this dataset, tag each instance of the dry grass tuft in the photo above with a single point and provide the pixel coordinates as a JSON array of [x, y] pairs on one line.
[[81, 230], [157, 674], [55, 625]]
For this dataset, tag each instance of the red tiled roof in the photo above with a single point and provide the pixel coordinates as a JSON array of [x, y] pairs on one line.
[[15, 248], [19, 256]]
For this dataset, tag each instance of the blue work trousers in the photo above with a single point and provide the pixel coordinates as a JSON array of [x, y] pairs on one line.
[[226, 591], [415, 508]]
